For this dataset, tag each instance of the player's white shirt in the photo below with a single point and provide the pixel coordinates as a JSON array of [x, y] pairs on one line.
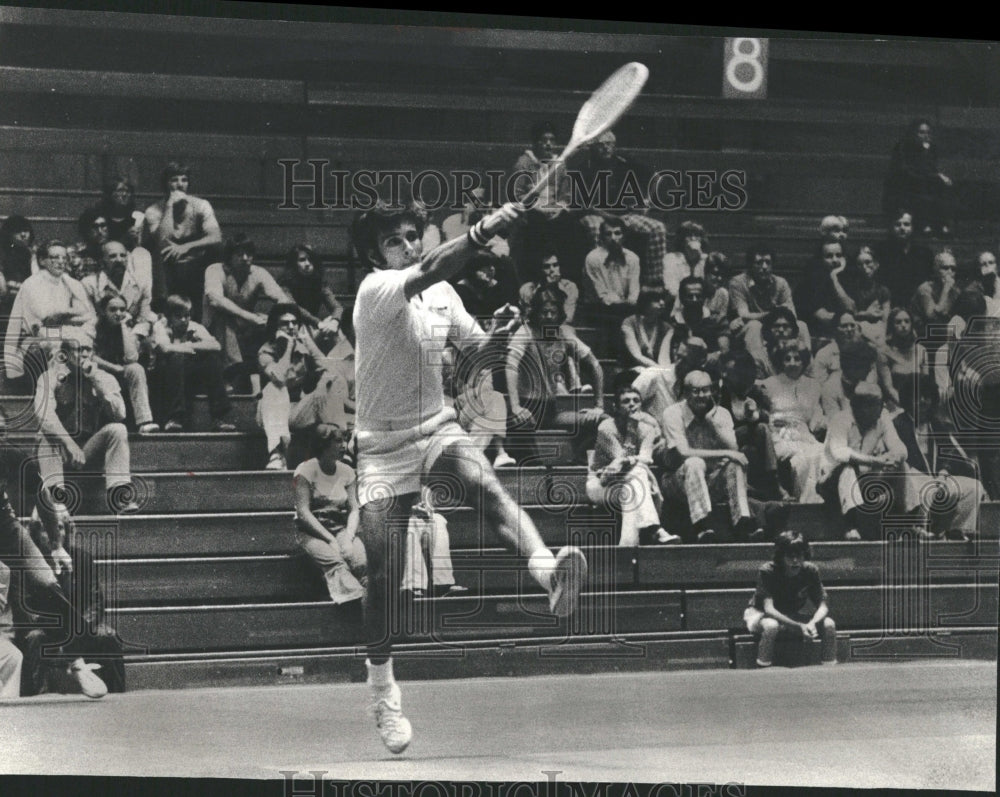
[[400, 345]]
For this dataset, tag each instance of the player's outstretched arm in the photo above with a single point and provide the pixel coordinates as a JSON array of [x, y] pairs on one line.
[[448, 259]]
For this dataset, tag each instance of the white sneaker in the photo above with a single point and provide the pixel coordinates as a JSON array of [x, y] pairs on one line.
[[504, 460], [392, 726], [276, 462], [89, 682], [567, 581]]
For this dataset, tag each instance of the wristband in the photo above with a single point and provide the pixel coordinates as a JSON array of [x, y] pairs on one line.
[[477, 237]]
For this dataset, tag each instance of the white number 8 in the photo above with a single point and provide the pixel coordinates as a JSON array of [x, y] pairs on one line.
[[740, 57]]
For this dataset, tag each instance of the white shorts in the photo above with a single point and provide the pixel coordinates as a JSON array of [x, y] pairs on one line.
[[397, 462]]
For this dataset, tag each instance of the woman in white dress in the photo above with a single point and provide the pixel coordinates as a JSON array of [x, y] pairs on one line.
[[795, 418]]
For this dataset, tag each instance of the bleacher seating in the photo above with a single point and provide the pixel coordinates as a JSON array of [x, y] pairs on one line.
[[206, 583]]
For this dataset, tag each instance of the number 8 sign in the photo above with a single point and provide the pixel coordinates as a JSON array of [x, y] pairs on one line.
[[745, 72]]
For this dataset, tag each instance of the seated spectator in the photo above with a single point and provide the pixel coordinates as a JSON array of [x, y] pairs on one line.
[[986, 276], [795, 418], [619, 473], [550, 273], [305, 285], [954, 512], [482, 410], [752, 295], [550, 229], [232, 290], [19, 476], [77, 575], [480, 290], [703, 462], [934, 300], [116, 350], [785, 588], [182, 234], [716, 293], [543, 361], [188, 362], [834, 228], [129, 279], [77, 404], [778, 324], [646, 336], [475, 208], [687, 259], [972, 402], [862, 440], [902, 353], [50, 306], [740, 395], [915, 181], [858, 361], [426, 522], [947, 358], [692, 312], [624, 197], [80, 264], [10, 655], [662, 387], [92, 228], [17, 255], [326, 516], [613, 270], [117, 207], [905, 263], [299, 389], [870, 301], [820, 297], [827, 362]]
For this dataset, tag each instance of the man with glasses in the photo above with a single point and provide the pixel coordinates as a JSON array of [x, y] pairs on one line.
[[702, 460], [78, 404], [934, 300], [48, 303]]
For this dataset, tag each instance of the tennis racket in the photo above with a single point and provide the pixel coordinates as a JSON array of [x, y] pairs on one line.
[[605, 107]]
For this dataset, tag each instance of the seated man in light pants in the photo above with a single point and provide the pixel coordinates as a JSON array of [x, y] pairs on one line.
[[784, 586], [10, 657], [424, 520], [701, 447], [862, 440], [302, 388], [619, 471], [77, 401]]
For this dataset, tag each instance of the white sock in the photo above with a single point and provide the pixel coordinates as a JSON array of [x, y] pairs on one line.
[[541, 564], [380, 674]]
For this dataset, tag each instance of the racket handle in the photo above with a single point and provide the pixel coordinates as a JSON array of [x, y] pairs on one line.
[[484, 229]]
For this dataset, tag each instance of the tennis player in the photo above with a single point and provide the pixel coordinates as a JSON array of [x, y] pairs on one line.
[[404, 315]]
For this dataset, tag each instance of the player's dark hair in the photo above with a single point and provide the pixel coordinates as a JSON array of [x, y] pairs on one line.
[[789, 542], [370, 225]]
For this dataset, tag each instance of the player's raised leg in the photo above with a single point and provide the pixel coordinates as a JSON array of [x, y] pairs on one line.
[[562, 575]]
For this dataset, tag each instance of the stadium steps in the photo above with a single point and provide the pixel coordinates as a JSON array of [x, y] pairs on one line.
[[290, 576]]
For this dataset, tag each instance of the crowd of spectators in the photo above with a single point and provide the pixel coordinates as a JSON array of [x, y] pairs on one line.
[[729, 389]]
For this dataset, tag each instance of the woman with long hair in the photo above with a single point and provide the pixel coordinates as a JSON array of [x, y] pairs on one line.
[[870, 301], [901, 350]]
